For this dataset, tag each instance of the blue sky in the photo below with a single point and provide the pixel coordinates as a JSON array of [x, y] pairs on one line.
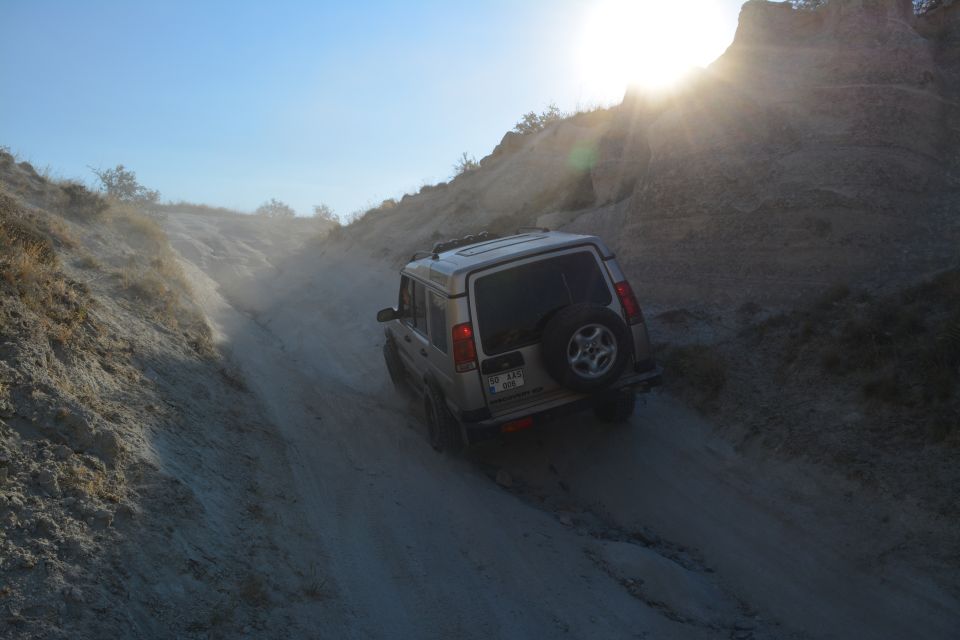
[[235, 103]]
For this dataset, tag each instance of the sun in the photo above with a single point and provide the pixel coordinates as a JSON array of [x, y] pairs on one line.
[[648, 43]]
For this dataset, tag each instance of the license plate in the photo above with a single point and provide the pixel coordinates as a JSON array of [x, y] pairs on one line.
[[505, 381]]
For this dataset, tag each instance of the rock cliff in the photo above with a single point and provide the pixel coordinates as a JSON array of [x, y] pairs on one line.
[[821, 148]]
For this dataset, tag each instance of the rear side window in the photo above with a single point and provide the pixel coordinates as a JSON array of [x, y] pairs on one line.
[[438, 321], [420, 308], [514, 305], [405, 304], [413, 304]]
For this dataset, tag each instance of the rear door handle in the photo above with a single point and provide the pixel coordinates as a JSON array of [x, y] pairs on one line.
[[423, 352], [407, 339]]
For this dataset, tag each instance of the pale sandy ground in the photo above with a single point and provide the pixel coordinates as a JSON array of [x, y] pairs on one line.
[[657, 529]]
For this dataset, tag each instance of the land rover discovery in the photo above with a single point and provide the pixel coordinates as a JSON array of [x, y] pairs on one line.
[[500, 333]]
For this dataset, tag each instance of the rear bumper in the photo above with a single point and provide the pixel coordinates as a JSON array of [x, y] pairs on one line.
[[482, 429]]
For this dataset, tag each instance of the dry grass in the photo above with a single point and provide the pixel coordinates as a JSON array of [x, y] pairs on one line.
[[61, 233], [30, 269], [23, 267], [154, 279], [81, 203], [30, 272], [144, 285], [317, 588], [80, 479], [88, 262], [142, 232], [901, 350]]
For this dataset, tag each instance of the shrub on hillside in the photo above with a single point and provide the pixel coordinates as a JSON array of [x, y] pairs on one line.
[[121, 184], [274, 208], [465, 164], [920, 7], [83, 203], [325, 213], [533, 122]]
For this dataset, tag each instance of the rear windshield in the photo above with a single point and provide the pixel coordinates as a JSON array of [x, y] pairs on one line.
[[515, 304]]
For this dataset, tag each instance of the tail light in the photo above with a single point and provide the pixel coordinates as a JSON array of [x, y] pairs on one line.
[[517, 425], [464, 349], [629, 302]]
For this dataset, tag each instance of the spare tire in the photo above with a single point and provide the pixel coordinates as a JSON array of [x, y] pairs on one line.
[[585, 347]]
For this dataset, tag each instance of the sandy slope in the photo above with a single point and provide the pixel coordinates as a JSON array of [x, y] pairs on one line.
[[658, 529]]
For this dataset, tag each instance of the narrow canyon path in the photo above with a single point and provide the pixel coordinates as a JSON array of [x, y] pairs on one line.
[[654, 529]]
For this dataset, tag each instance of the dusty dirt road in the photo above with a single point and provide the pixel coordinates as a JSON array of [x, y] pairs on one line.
[[655, 529]]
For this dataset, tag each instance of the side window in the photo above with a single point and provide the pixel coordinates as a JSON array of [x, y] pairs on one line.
[[419, 308], [405, 303], [438, 321]]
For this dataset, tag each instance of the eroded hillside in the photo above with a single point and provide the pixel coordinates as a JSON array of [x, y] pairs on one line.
[[130, 502], [199, 439], [820, 149], [789, 219]]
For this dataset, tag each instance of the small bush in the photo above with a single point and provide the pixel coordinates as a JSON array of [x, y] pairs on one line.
[[465, 164], [88, 262], [325, 213], [61, 233], [17, 230], [82, 203], [81, 480], [533, 122], [146, 287], [22, 266], [273, 208], [121, 184]]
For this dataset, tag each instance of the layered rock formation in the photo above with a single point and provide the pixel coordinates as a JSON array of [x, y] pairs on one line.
[[821, 148]]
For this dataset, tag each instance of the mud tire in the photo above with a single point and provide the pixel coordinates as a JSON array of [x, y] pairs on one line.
[[443, 430], [394, 364]]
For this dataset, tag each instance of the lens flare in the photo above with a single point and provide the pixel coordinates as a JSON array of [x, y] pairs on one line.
[[647, 43]]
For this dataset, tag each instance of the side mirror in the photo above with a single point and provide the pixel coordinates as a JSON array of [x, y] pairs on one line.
[[386, 315]]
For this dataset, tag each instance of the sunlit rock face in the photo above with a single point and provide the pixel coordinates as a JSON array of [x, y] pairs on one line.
[[820, 149]]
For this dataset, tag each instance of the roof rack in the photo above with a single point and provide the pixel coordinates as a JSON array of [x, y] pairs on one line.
[[522, 229], [420, 254], [440, 247]]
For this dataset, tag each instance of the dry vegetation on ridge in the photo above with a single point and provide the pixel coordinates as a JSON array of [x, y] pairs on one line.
[[114, 410]]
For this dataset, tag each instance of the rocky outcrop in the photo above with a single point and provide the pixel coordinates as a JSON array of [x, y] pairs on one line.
[[819, 149]]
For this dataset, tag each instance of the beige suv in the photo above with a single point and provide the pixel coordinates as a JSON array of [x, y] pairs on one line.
[[500, 334]]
